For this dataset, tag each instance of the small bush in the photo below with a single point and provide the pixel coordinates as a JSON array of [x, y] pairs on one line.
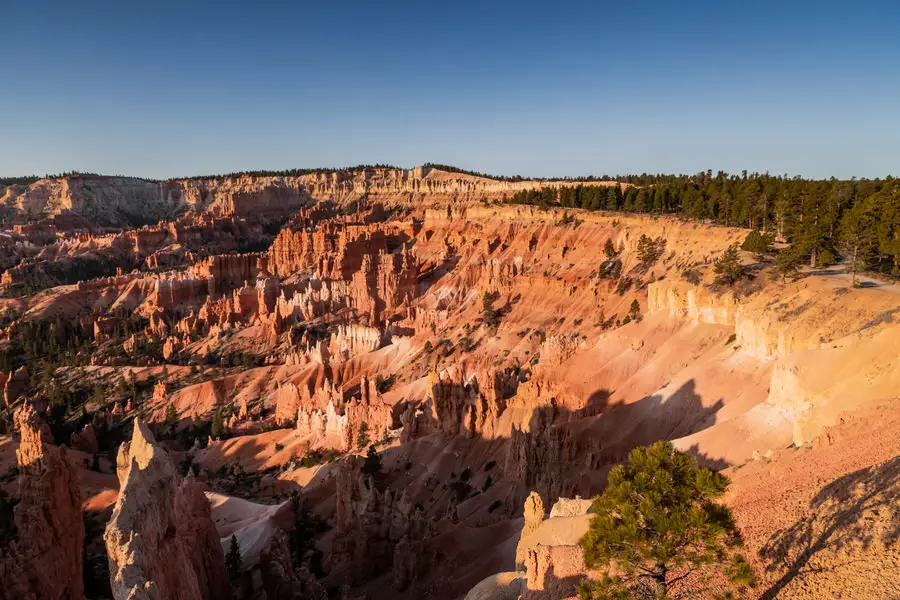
[[692, 276]]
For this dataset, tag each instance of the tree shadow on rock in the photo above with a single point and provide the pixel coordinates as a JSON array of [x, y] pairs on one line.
[[554, 586], [856, 511]]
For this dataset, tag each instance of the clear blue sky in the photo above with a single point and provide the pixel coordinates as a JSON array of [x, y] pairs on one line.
[[164, 88]]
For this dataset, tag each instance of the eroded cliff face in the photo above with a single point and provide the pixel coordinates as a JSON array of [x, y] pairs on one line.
[[104, 200], [128, 200], [44, 561], [161, 540], [817, 335]]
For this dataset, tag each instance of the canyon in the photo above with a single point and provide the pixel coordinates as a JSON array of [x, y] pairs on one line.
[[386, 383]]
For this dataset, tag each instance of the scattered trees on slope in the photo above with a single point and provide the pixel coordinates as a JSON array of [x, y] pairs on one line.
[[808, 214]]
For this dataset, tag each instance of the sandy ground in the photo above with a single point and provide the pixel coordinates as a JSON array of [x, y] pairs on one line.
[[824, 521]]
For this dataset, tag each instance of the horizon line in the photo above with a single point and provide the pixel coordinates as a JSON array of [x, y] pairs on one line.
[[300, 171]]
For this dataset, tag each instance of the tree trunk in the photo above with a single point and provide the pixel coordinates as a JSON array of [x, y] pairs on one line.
[[659, 580], [853, 259]]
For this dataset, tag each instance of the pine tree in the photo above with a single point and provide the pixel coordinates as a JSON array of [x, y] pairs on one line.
[[362, 436], [788, 263], [609, 248], [657, 522], [858, 240], [649, 250], [171, 414], [218, 424], [490, 314], [756, 242], [233, 558], [728, 267], [634, 311]]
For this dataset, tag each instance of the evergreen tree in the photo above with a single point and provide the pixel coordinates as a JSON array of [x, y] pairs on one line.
[[728, 267], [609, 248], [858, 240], [490, 314], [657, 523], [362, 436], [756, 242], [649, 250], [303, 536], [218, 424], [788, 263], [233, 558], [171, 414], [634, 310], [804, 213]]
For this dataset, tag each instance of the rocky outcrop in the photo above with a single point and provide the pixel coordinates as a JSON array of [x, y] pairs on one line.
[[534, 516], [536, 455], [369, 414], [228, 271], [553, 572], [550, 550], [467, 408], [44, 561], [383, 283], [280, 580], [17, 382], [161, 539], [692, 302], [86, 440], [332, 250], [338, 425], [450, 400], [376, 530]]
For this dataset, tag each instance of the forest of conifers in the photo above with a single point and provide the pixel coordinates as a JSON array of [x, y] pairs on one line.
[[820, 219]]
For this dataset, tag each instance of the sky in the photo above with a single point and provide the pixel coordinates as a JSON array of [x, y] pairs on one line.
[[566, 88]]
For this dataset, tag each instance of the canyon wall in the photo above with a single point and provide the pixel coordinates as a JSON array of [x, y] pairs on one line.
[[818, 335]]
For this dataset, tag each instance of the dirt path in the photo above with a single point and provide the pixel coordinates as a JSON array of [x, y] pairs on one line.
[[840, 273]]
